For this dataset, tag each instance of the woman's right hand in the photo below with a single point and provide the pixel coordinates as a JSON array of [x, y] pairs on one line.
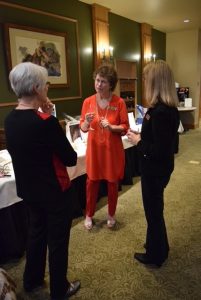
[[89, 117], [47, 106]]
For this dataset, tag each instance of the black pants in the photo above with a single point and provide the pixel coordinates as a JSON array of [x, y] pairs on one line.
[[156, 240], [50, 225]]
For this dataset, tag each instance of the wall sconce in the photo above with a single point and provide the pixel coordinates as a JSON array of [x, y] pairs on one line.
[[154, 57], [106, 55], [147, 57], [102, 53], [150, 57], [111, 49]]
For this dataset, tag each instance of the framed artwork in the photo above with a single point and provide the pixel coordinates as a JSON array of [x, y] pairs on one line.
[[43, 47]]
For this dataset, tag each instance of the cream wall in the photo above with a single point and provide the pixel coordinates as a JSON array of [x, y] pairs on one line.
[[199, 66], [183, 55]]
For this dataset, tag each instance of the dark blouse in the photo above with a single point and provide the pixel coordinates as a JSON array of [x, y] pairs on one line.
[[40, 153], [158, 140]]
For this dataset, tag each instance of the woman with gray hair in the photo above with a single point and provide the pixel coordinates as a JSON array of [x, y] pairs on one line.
[[40, 153], [156, 147]]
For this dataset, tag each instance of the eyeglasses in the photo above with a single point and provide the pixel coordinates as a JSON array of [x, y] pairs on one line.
[[5, 170]]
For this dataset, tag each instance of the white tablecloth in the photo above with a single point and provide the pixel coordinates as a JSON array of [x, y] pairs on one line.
[[186, 108], [8, 194]]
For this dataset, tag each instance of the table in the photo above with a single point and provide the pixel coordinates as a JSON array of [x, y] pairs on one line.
[[182, 108], [186, 116], [8, 195], [13, 214]]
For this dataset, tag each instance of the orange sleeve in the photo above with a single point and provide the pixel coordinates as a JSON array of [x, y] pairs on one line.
[[85, 109], [124, 117]]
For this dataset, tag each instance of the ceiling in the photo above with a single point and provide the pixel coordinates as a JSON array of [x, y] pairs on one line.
[[163, 15]]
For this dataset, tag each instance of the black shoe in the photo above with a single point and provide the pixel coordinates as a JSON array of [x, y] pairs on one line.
[[146, 260], [29, 288], [73, 288]]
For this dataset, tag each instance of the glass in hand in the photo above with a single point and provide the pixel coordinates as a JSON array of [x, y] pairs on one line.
[[90, 115]]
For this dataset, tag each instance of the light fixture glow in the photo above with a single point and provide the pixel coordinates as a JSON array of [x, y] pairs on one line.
[[136, 57], [88, 50], [111, 49], [186, 21], [154, 56]]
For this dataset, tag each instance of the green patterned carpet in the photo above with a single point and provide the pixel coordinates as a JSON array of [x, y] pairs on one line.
[[103, 259]]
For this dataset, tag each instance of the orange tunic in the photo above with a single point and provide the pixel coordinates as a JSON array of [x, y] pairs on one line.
[[105, 157]]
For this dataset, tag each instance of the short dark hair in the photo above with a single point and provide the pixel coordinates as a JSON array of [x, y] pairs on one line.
[[107, 71]]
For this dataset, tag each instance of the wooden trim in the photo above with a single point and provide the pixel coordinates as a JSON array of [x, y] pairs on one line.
[[146, 36], [146, 45], [100, 31], [65, 98], [100, 12], [37, 11], [6, 104]]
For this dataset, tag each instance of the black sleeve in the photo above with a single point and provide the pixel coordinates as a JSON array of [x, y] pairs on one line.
[[163, 131], [59, 143]]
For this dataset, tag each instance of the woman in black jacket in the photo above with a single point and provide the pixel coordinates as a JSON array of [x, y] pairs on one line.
[[156, 147], [40, 153]]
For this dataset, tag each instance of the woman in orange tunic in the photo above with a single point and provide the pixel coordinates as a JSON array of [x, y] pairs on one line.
[[104, 116]]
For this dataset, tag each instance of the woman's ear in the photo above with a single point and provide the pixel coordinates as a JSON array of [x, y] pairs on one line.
[[36, 90]]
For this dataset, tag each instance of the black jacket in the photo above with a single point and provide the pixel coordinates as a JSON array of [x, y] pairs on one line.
[[158, 139], [33, 143]]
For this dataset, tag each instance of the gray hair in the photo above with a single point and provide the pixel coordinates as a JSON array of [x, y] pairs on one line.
[[26, 77]]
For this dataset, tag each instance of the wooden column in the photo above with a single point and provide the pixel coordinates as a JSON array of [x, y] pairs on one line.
[[146, 46], [100, 33]]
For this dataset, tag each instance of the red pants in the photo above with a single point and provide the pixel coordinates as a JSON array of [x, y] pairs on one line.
[[92, 189]]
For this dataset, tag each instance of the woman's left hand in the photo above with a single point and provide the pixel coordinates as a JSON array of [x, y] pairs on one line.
[[47, 106], [105, 123]]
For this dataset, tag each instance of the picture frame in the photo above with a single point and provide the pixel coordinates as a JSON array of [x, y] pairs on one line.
[[43, 47]]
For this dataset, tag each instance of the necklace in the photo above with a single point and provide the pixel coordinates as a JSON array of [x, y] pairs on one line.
[[27, 106], [102, 112], [102, 107], [103, 102]]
